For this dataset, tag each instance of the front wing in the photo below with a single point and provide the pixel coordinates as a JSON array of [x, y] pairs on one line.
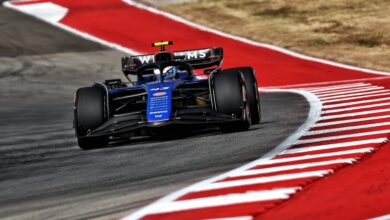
[[122, 124]]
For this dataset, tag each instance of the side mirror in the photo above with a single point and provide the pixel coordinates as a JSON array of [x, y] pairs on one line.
[[157, 72], [125, 62]]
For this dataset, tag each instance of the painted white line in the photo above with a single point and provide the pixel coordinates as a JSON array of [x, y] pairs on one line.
[[356, 97], [353, 95], [355, 108], [233, 218], [354, 114], [306, 86], [46, 11], [126, 50], [344, 89], [324, 124], [331, 88], [374, 88], [383, 217], [250, 42], [204, 28], [348, 128], [53, 22], [314, 113], [331, 138], [231, 199], [293, 167], [355, 103], [268, 179], [316, 156], [312, 118], [141, 213], [332, 146]]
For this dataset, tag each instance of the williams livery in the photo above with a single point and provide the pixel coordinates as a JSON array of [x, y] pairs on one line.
[[167, 91]]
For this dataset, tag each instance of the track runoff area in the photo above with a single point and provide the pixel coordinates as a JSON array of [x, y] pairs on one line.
[[349, 120]]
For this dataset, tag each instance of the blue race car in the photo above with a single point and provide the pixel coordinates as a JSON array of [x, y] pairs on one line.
[[171, 90]]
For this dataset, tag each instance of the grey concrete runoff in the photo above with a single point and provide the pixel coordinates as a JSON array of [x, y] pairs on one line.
[[43, 173]]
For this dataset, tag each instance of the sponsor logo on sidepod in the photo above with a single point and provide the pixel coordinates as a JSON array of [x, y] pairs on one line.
[[159, 93]]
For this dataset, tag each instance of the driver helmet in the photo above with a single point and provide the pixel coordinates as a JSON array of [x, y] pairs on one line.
[[169, 72]]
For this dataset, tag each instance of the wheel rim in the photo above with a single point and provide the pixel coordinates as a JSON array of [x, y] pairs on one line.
[[257, 98], [247, 112]]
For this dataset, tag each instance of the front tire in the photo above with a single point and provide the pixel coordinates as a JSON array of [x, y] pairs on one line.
[[89, 114]]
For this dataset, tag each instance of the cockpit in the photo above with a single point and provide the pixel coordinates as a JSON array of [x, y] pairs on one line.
[[164, 71]]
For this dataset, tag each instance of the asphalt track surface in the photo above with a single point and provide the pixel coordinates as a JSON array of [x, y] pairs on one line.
[[44, 175], [277, 67]]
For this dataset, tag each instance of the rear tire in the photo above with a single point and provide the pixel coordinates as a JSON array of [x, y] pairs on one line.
[[231, 98], [253, 93], [89, 114]]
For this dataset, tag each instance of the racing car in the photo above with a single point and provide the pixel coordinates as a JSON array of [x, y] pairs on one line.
[[167, 90]]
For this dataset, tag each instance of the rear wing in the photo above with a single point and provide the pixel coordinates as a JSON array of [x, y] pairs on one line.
[[197, 59]]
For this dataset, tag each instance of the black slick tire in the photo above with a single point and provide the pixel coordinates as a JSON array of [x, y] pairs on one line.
[[253, 93], [89, 114], [230, 97]]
